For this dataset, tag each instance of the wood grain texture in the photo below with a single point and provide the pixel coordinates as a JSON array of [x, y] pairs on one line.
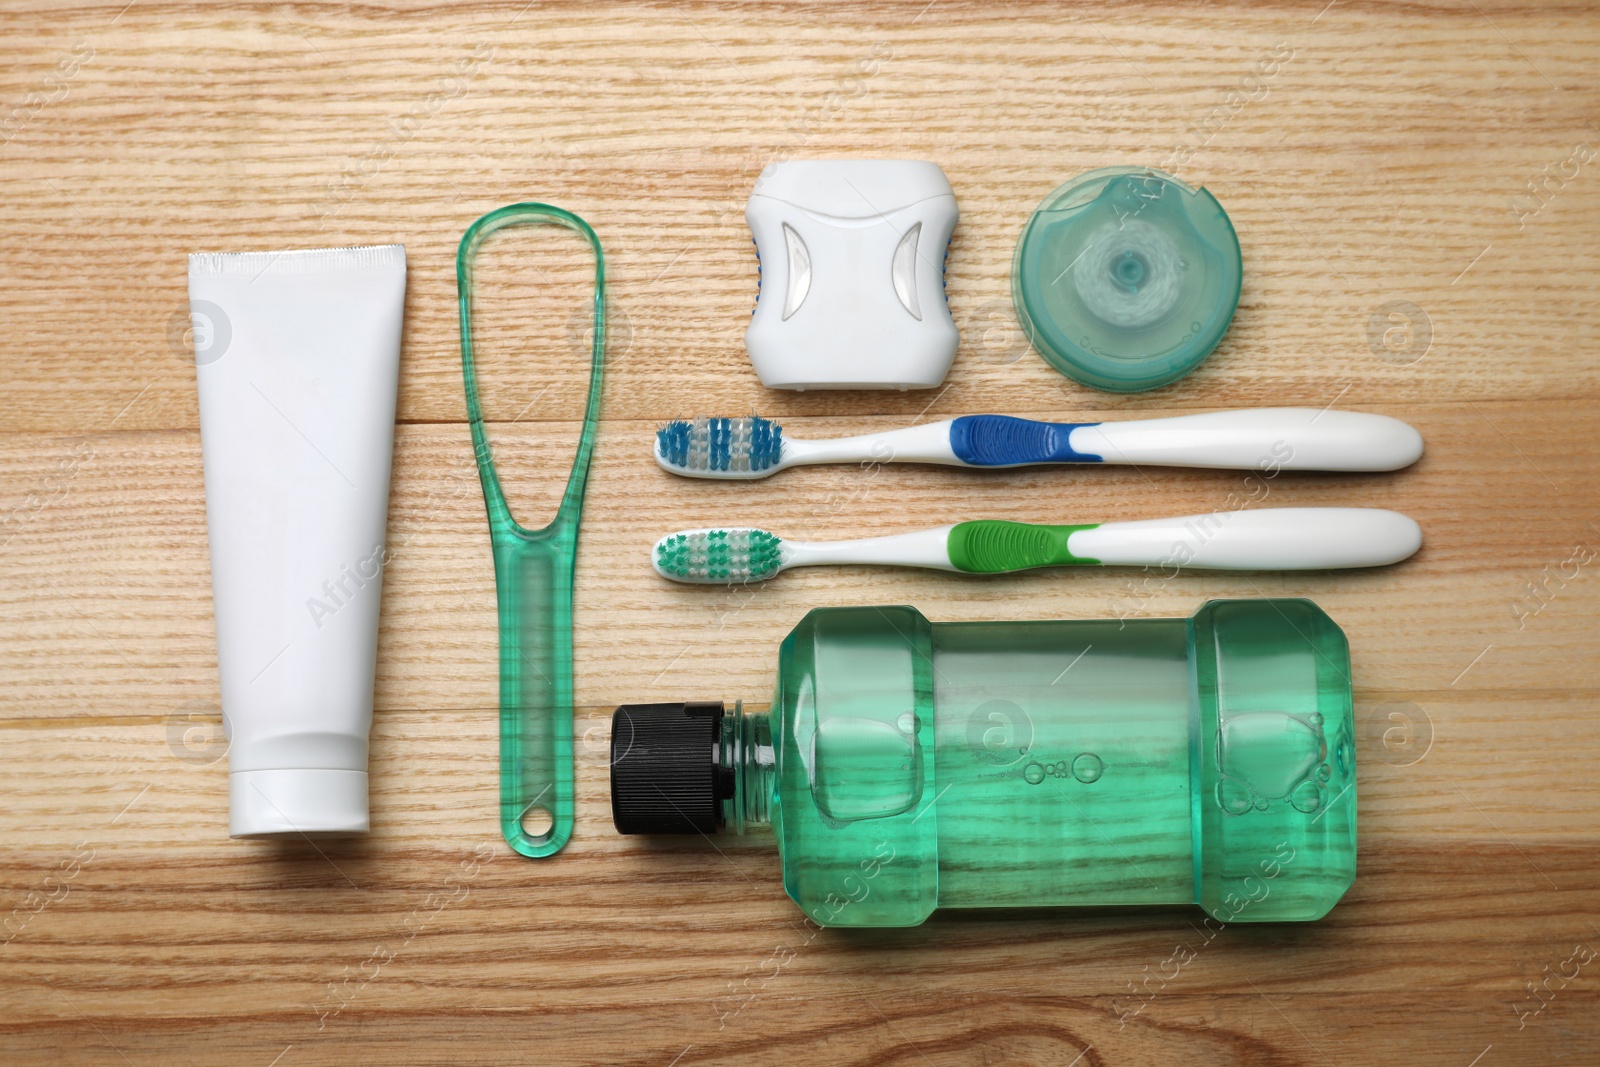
[[1387, 159]]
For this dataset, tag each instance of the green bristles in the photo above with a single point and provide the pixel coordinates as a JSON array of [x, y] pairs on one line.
[[741, 555]]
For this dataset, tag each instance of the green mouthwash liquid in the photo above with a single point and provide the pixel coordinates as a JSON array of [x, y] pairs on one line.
[[906, 766]]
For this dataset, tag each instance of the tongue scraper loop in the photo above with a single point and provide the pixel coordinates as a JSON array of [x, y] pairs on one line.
[[533, 582]]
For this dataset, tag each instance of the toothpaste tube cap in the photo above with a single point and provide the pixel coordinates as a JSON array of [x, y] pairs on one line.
[[316, 800]]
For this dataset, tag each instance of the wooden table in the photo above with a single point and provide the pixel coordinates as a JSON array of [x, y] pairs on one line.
[[1418, 199]]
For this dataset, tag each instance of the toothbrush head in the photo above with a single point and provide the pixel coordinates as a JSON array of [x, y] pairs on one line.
[[745, 448], [726, 556]]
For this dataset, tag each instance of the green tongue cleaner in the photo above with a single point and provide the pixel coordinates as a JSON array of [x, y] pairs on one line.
[[533, 583], [1126, 278]]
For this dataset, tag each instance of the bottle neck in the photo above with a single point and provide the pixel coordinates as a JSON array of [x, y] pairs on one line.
[[745, 756]]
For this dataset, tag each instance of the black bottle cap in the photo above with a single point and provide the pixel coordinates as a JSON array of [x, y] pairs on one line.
[[665, 772]]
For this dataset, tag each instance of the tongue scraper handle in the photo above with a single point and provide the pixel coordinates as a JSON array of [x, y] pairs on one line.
[[533, 583]]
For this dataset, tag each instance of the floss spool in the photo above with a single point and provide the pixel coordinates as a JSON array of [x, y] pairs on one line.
[[1126, 278]]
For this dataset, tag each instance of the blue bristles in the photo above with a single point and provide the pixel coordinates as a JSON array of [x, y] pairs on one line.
[[748, 445]]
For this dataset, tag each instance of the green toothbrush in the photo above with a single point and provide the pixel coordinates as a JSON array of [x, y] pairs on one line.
[[1263, 539]]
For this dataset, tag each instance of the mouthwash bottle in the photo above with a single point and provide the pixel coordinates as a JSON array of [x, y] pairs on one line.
[[906, 766]]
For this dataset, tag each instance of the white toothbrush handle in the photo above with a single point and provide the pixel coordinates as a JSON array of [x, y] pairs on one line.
[[919, 548], [1258, 438], [927, 443], [1268, 539]]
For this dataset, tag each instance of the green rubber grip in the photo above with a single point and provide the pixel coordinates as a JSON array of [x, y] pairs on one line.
[[994, 546]]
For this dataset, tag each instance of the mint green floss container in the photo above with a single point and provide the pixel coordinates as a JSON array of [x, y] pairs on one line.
[[1126, 278]]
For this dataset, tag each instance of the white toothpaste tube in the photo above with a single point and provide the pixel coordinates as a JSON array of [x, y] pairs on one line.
[[298, 359]]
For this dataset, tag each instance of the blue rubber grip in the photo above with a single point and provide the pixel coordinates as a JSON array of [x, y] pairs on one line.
[[1003, 441]]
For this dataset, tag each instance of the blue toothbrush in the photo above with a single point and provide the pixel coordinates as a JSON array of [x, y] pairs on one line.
[[1255, 438]]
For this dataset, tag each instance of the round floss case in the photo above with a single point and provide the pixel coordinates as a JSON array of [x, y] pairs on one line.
[[1126, 278]]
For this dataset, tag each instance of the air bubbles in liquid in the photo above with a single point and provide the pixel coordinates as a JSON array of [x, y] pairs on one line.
[[1088, 767], [1232, 796], [1307, 797]]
